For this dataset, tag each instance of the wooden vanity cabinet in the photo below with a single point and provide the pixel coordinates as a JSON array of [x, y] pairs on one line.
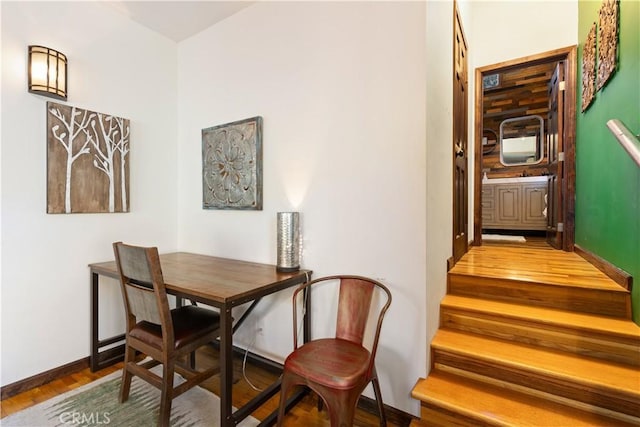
[[488, 204], [514, 206]]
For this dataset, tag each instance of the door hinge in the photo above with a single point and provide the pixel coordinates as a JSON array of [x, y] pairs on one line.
[[561, 156], [560, 227], [561, 85]]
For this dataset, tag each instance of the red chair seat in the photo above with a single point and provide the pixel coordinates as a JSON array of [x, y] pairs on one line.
[[189, 323], [331, 362]]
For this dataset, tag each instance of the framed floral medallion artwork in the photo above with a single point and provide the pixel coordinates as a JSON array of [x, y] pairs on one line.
[[232, 165]]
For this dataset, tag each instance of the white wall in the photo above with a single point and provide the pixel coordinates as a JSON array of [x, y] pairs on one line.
[[115, 67], [505, 30], [439, 114], [341, 88]]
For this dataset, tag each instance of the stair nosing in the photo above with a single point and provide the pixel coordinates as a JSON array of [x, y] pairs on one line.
[[472, 384], [586, 285], [535, 366], [577, 320]]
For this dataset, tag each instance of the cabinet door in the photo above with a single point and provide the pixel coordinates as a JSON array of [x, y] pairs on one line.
[[488, 206], [533, 213], [508, 204]]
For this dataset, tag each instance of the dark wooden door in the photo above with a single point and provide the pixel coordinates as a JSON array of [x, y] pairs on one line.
[[555, 145], [460, 141]]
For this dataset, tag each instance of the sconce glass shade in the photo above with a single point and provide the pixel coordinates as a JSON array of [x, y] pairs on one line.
[[288, 241], [47, 72]]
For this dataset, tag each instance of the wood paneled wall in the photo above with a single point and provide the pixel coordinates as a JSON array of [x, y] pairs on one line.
[[521, 92]]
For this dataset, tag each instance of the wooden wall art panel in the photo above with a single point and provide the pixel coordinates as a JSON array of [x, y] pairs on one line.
[[608, 41], [589, 68], [87, 161], [232, 165]]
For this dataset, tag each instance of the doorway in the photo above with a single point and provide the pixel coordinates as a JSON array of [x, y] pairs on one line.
[[530, 79]]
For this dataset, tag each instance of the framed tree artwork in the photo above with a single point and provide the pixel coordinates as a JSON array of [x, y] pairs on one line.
[[232, 165], [87, 161]]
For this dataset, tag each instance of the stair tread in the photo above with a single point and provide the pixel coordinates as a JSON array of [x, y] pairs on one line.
[[543, 315], [533, 265], [500, 406], [505, 274], [603, 374]]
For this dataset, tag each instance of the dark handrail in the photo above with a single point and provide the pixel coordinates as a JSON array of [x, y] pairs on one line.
[[627, 139]]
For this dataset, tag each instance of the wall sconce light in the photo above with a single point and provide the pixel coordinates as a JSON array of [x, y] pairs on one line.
[[288, 241], [47, 72]]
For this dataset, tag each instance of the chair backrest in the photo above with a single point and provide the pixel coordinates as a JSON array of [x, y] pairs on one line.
[[142, 284], [354, 304], [355, 299]]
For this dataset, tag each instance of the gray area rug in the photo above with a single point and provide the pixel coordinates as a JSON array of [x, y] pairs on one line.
[[96, 404]]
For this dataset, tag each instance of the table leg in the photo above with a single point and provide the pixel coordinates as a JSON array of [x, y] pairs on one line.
[[94, 323], [226, 367], [101, 359]]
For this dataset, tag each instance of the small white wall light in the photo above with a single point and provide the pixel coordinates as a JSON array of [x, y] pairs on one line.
[[47, 72]]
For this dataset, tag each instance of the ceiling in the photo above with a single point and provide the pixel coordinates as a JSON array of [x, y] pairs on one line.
[[177, 20]]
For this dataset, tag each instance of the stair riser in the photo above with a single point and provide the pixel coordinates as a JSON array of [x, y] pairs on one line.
[[582, 300], [438, 416], [605, 397], [605, 347]]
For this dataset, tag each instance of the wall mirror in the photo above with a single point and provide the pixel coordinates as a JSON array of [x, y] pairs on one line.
[[521, 141]]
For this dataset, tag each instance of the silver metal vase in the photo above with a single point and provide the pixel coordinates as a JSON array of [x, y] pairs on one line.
[[288, 241]]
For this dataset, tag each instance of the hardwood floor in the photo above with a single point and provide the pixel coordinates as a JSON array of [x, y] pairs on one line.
[[40, 394], [305, 413], [535, 263]]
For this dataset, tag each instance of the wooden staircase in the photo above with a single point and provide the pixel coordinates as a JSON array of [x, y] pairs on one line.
[[532, 337]]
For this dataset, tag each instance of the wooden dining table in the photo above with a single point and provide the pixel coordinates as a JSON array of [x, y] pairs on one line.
[[218, 282]]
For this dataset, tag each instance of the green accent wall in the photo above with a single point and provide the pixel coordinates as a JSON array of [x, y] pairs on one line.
[[607, 180]]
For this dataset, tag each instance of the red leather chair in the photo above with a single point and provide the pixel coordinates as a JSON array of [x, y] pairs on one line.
[[339, 368], [167, 336]]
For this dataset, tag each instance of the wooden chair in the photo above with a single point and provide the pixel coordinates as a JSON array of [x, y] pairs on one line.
[[338, 369], [154, 329]]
